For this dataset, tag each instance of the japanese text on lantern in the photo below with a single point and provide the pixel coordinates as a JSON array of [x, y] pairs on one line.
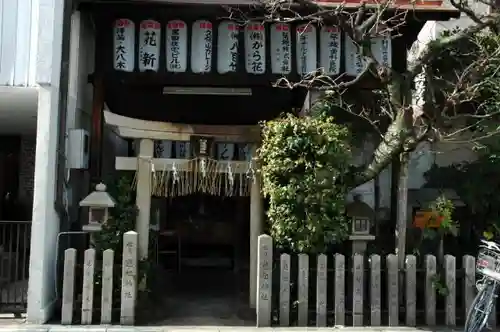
[[149, 47], [227, 47], [124, 37], [225, 151], [330, 50], [201, 47], [382, 50], [306, 48], [182, 149], [354, 63], [176, 46], [280, 49], [255, 47]]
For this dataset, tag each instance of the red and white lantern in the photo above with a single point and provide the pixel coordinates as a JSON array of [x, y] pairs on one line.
[[149, 45], [228, 47], [176, 40], [330, 48], [201, 47], [281, 48], [124, 44]]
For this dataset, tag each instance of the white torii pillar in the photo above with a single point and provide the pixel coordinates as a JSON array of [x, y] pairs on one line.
[[256, 227], [143, 194]]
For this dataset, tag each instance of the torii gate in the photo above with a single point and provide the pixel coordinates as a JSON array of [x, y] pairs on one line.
[[149, 131]]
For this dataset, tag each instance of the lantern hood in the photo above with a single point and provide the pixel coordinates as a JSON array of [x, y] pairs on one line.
[[98, 198]]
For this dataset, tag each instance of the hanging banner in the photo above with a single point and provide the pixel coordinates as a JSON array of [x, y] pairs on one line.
[[225, 151], [182, 149], [124, 44], [281, 49], [306, 49], [176, 40], [245, 152], [163, 149], [149, 45], [201, 47], [255, 48], [330, 50], [354, 63], [227, 47]]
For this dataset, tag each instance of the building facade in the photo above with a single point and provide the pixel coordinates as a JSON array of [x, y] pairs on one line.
[[170, 90], [25, 71]]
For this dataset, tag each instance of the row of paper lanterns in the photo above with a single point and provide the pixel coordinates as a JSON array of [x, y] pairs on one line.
[[203, 39]]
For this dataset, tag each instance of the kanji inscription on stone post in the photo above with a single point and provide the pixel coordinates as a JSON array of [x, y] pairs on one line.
[[264, 280], [129, 278]]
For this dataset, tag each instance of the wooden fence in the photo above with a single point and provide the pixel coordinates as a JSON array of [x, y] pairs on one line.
[[128, 284], [273, 308]]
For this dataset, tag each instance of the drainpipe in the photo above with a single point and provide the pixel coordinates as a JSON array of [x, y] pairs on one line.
[[69, 6], [61, 180]]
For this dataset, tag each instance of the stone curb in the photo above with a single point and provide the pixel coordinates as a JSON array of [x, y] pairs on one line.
[[58, 328]]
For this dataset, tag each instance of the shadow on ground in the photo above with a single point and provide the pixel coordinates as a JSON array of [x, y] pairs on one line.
[[201, 297]]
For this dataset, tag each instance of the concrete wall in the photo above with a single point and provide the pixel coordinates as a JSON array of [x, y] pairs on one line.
[[45, 225], [20, 27]]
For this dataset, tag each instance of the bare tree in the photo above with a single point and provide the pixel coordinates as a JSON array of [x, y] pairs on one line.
[[450, 89]]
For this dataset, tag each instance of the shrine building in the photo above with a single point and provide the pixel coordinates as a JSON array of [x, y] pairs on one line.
[[173, 92]]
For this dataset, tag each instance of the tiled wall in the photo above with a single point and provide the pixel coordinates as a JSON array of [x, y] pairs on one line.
[[27, 170]]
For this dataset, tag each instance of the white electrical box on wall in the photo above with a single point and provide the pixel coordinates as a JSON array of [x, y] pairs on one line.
[[78, 149]]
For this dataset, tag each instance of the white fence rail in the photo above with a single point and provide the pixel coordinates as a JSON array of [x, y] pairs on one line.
[[128, 284], [368, 294]]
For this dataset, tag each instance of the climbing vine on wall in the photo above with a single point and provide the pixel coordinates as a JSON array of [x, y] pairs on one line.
[[302, 160]]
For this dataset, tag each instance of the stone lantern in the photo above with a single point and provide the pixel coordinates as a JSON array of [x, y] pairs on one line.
[[362, 216], [98, 202]]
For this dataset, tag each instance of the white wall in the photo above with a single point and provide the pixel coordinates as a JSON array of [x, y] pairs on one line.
[[45, 224], [20, 29]]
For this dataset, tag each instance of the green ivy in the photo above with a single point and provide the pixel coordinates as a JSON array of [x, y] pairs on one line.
[[302, 161]]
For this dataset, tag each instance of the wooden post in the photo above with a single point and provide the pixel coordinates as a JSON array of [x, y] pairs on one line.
[[285, 290], [68, 286], [393, 290], [430, 290], [321, 287], [469, 282], [143, 194], [357, 291], [256, 223], [97, 126], [411, 290], [450, 309], [88, 286], [303, 289], [107, 286], [339, 289], [375, 290]]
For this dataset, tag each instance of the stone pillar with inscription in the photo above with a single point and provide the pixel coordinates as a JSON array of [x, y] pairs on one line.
[[256, 225], [265, 280], [129, 278]]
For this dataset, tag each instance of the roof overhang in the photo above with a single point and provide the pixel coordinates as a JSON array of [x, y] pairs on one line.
[[435, 6]]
